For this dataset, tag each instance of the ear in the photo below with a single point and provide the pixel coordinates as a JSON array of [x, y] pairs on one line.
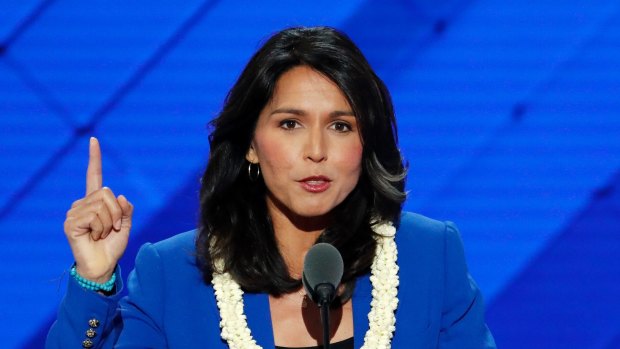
[[251, 155]]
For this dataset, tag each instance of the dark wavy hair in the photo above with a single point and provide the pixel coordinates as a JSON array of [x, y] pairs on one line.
[[235, 226]]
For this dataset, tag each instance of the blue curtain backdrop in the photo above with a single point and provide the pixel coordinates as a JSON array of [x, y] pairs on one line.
[[508, 112]]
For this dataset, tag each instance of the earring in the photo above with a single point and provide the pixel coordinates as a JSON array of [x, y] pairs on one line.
[[253, 175]]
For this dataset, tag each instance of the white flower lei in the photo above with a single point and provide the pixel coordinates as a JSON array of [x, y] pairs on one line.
[[382, 321]]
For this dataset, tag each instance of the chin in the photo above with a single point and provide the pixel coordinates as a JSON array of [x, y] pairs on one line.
[[315, 208], [307, 212]]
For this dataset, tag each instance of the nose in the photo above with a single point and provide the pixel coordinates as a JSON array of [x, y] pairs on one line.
[[316, 146]]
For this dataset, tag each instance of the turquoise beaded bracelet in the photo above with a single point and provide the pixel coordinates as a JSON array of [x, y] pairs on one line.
[[91, 285]]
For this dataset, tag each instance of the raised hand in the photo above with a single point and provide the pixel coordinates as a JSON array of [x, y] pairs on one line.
[[97, 226]]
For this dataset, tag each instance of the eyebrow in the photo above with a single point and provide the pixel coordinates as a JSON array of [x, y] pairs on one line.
[[334, 114]]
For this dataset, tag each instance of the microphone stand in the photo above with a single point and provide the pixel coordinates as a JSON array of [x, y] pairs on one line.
[[325, 322], [325, 293]]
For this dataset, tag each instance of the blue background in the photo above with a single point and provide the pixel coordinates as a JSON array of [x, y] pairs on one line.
[[509, 116]]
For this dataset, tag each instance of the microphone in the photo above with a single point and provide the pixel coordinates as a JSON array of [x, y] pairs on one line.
[[323, 268]]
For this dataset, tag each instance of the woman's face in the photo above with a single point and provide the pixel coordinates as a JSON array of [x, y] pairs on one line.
[[307, 144]]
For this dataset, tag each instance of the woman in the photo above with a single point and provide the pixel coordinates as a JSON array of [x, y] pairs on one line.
[[304, 151]]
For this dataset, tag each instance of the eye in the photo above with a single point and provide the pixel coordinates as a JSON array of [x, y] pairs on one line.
[[289, 124], [341, 126]]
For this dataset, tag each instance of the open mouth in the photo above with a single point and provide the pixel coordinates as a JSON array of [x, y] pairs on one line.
[[315, 184]]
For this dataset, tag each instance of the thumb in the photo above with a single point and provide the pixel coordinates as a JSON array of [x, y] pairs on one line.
[[126, 208]]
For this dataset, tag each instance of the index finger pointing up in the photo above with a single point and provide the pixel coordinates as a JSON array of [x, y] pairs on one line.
[[94, 177]]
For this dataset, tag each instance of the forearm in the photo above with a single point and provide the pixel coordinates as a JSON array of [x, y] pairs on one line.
[[86, 315]]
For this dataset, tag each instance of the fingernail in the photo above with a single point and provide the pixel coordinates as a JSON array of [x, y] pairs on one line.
[[117, 224]]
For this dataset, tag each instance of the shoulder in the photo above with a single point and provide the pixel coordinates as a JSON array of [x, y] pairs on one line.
[[164, 281], [414, 227], [423, 240], [410, 221], [178, 251], [180, 242], [436, 291], [169, 267]]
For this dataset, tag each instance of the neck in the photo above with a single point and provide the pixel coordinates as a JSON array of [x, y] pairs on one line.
[[294, 234]]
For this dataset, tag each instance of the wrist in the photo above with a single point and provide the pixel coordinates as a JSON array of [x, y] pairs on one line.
[[94, 276], [104, 285]]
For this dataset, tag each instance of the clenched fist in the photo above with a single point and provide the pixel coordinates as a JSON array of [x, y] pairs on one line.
[[97, 226]]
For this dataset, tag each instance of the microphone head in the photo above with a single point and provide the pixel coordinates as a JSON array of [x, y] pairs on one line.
[[322, 265]]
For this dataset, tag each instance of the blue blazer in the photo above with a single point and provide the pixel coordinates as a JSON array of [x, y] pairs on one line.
[[169, 306]]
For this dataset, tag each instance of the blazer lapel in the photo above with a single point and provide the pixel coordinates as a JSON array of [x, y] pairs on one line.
[[361, 307], [256, 308]]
